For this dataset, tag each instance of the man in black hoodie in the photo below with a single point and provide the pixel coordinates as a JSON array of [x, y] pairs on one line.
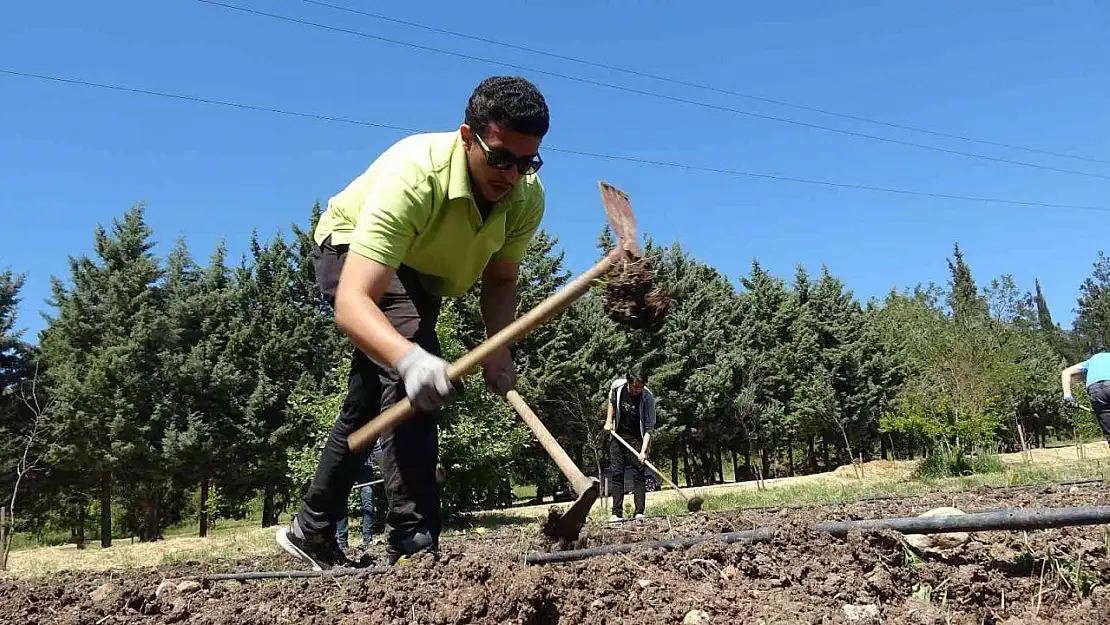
[[631, 415]]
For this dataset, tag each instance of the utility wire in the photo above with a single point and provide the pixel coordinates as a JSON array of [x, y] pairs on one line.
[[684, 83], [598, 155], [653, 94]]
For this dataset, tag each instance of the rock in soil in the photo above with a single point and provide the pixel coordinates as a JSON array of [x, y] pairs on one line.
[[696, 617], [188, 586], [103, 592], [165, 588], [799, 577], [861, 614], [938, 542]]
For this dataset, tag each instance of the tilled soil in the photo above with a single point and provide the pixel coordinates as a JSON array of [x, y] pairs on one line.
[[1046, 576]]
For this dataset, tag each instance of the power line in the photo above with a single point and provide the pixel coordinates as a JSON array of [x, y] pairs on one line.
[[612, 157], [684, 83], [653, 94]]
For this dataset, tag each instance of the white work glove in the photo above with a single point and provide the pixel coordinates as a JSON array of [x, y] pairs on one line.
[[425, 377]]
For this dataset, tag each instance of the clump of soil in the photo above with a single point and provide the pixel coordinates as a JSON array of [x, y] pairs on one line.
[[632, 297], [558, 535]]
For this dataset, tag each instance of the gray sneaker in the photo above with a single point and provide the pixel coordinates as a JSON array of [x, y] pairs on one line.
[[316, 549]]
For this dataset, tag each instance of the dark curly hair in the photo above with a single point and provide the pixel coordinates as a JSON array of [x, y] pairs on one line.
[[509, 101], [637, 372]]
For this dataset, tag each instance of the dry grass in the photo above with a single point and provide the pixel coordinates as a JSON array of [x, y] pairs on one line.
[[46, 560]]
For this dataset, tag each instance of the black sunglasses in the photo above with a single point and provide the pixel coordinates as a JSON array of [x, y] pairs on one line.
[[503, 159]]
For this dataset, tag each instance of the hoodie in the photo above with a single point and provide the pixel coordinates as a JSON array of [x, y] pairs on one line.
[[647, 405]]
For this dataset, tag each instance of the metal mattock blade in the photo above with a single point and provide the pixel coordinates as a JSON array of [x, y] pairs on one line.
[[619, 211]]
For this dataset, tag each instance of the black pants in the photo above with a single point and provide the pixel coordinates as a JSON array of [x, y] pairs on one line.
[[408, 454], [619, 458], [1100, 405]]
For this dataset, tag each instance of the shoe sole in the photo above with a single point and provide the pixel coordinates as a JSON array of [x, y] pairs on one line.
[[283, 541]]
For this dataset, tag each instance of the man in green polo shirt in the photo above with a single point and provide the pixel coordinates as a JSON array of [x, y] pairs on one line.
[[430, 217]]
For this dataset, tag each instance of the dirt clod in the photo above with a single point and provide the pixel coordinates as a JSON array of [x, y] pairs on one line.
[[103, 592], [696, 617], [861, 614], [188, 586], [632, 298]]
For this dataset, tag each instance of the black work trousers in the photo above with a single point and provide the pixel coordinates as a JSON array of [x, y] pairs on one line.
[[619, 458], [406, 455], [1100, 405]]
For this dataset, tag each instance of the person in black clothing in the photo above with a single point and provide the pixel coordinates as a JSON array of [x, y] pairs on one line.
[[630, 415]]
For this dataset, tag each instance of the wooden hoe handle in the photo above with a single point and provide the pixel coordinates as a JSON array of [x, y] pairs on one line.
[[648, 463], [577, 479], [545, 310]]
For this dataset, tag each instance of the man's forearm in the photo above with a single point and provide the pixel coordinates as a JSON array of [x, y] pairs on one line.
[[498, 303], [647, 442], [360, 319]]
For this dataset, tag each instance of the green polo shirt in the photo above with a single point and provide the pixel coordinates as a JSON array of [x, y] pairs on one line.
[[414, 206]]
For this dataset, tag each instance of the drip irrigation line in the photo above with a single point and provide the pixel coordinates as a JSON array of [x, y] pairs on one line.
[[1003, 519]]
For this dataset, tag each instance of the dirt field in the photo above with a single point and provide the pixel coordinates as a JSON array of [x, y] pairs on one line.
[[1052, 576]]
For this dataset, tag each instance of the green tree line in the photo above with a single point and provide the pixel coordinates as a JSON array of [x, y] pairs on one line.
[[167, 389]]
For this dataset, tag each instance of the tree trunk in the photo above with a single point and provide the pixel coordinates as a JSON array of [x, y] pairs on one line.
[[690, 479], [79, 529], [105, 510], [825, 453], [735, 466], [269, 515], [790, 459], [766, 462], [150, 531], [674, 464], [203, 507], [541, 489], [811, 453]]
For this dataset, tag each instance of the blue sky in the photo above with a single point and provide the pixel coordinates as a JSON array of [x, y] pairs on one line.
[[1025, 73]]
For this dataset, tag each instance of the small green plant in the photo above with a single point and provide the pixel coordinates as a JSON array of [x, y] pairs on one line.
[[958, 461]]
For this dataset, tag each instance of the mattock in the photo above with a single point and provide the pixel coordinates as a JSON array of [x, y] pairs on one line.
[[586, 488], [618, 210]]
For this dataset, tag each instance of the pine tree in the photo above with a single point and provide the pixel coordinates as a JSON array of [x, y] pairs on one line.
[[769, 313], [14, 352], [102, 355], [1044, 317], [963, 297], [201, 443], [1092, 320], [16, 418], [284, 339]]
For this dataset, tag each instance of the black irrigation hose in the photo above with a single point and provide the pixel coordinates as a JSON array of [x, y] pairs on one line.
[[1004, 519]]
